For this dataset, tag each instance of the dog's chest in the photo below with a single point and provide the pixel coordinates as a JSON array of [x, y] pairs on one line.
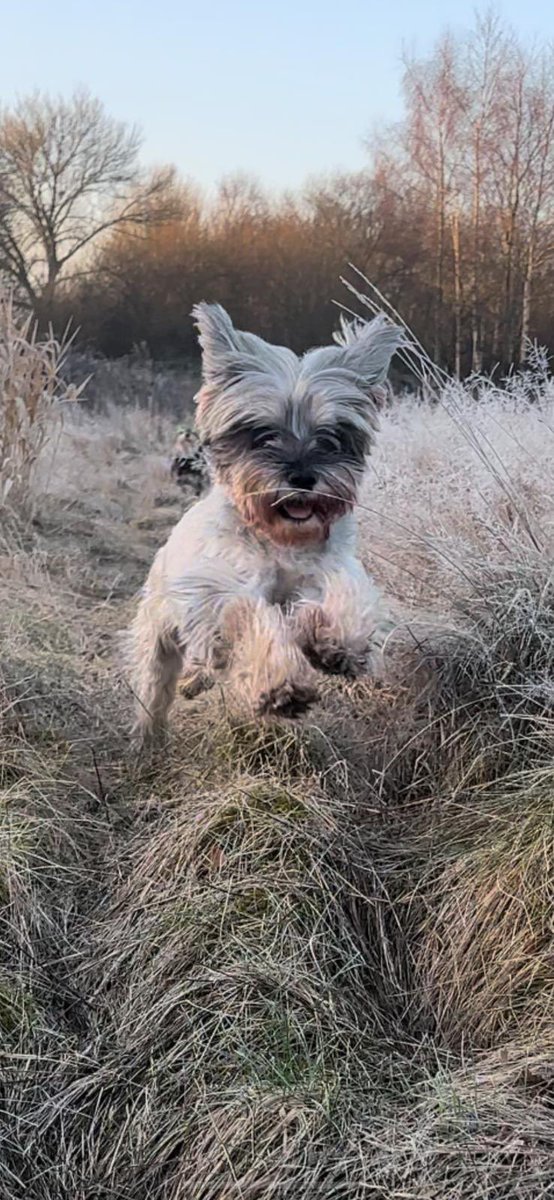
[[287, 576], [284, 583], [283, 587]]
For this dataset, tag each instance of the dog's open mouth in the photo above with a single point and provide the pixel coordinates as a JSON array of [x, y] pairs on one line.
[[298, 510], [298, 518]]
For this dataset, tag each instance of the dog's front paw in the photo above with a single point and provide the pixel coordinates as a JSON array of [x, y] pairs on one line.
[[329, 650], [334, 658], [289, 699]]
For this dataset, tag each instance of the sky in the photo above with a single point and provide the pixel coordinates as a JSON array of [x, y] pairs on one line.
[[283, 90]]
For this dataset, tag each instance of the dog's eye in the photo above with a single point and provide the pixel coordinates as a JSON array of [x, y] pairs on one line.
[[328, 443], [264, 437]]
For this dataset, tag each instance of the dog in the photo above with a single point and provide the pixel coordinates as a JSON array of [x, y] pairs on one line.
[[189, 469], [259, 584]]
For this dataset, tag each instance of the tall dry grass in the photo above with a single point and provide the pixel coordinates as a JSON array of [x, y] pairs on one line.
[[33, 397]]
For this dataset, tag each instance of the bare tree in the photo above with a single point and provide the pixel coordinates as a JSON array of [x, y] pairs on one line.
[[240, 201], [477, 144], [539, 185], [435, 101], [487, 53], [68, 172], [511, 163]]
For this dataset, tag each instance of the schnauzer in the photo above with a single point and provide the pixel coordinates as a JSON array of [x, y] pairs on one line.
[[259, 584]]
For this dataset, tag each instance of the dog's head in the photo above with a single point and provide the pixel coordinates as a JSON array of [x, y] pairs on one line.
[[289, 437]]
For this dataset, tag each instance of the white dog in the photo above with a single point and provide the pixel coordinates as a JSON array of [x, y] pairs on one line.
[[259, 583]]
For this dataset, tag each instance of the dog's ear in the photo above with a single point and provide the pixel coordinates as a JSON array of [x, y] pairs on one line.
[[219, 339], [230, 357], [366, 347], [228, 352]]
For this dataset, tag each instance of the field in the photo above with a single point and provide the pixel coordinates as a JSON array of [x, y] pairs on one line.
[[308, 962]]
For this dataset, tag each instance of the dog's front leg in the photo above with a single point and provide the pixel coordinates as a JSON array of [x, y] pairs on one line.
[[269, 676], [342, 632], [226, 628]]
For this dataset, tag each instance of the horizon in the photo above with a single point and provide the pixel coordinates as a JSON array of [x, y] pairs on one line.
[[329, 84]]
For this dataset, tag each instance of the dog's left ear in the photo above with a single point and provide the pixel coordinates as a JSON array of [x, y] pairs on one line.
[[366, 347]]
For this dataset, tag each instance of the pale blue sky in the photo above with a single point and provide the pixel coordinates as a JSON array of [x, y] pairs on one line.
[[283, 89]]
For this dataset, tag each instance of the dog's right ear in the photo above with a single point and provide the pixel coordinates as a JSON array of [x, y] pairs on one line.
[[230, 356], [219, 339], [228, 353]]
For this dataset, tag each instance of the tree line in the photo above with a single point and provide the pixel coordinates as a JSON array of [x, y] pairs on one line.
[[452, 219]]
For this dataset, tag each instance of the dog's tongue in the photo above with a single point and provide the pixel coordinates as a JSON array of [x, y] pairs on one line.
[[299, 510]]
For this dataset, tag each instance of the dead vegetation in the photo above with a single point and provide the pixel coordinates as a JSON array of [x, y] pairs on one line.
[[306, 962], [33, 395]]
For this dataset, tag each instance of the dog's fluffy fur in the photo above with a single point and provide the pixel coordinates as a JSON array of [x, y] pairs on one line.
[[259, 583]]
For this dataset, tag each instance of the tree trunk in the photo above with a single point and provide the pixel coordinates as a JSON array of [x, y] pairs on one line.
[[457, 295], [526, 304], [439, 257], [512, 216], [44, 302], [476, 350], [508, 289]]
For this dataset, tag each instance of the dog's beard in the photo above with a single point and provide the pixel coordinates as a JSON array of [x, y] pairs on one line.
[[286, 515]]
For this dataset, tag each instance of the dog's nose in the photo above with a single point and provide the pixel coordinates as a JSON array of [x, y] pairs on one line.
[[301, 477]]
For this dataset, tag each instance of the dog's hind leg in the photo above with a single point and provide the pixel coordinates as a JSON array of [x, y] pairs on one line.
[[155, 666]]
